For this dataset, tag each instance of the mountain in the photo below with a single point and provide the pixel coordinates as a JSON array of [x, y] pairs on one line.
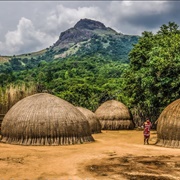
[[90, 37], [87, 37], [83, 30], [84, 66], [89, 41]]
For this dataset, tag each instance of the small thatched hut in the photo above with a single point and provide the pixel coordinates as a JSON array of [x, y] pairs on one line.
[[114, 115], [168, 126], [95, 125], [44, 119]]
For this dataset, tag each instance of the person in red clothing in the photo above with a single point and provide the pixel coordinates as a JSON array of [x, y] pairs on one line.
[[147, 127]]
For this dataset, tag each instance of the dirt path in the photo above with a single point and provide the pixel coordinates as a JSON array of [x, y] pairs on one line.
[[114, 155]]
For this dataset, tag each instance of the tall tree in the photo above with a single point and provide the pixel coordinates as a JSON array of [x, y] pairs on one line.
[[153, 78]]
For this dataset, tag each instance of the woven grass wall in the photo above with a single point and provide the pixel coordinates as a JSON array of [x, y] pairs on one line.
[[95, 125], [44, 119], [13, 93], [168, 126], [114, 115]]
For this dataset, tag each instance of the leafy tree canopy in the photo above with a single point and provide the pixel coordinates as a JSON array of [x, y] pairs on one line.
[[153, 78]]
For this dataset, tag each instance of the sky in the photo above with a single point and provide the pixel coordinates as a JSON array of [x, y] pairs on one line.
[[29, 26]]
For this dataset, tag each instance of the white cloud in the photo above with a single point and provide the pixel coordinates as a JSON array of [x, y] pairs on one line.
[[130, 8], [32, 36], [36, 25], [25, 38], [62, 18]]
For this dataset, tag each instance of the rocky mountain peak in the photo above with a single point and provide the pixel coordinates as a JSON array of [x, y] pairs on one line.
[[89, 24], [83, 30]]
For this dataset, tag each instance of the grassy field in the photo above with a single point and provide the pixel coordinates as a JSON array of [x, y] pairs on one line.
[[4, 59]]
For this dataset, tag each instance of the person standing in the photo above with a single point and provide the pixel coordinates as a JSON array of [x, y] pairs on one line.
[[147, 127]]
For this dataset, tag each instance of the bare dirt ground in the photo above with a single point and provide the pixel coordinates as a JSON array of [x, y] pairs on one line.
[[115, 155]]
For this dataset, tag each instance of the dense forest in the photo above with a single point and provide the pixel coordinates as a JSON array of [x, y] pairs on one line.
[[147, 82]]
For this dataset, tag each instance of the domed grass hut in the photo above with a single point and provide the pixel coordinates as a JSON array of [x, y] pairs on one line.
[[95, 125], [114, 115], [44, 119], [168, 126]]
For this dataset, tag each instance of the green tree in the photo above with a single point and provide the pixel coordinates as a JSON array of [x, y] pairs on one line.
[[153, 78]]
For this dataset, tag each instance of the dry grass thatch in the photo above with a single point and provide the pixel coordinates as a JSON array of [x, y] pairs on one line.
[[95, 125], [44, 119], [13, 93], [1, 119], [168, 126], [114, 115]]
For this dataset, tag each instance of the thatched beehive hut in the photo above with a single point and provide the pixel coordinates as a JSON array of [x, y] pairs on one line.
[[114, 115], [168, 126], [1, 119], [95, 125], [44, 119]]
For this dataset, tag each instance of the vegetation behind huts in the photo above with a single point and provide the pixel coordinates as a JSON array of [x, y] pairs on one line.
[[147, 82]]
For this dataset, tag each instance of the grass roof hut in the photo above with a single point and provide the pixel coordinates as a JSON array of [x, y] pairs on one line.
[[95, 125], [44, 119], [114, 115], [168, 126]]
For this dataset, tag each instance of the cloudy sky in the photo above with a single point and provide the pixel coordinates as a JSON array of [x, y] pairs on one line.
[[28, 26]]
